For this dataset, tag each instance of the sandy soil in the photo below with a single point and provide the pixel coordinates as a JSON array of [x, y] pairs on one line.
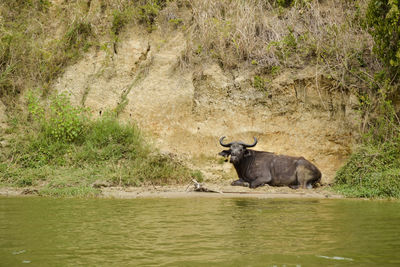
[[220, 192]]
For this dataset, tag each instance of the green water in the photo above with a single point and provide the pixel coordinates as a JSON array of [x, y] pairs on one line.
[[198, 232]]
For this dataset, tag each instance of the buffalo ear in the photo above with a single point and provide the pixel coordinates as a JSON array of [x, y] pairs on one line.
[[247, 153], [225, 153]]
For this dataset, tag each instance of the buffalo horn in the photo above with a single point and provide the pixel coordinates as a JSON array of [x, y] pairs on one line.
[[252, 145], [222, 144]]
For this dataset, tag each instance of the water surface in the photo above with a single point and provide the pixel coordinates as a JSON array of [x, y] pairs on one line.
[[198, 232]]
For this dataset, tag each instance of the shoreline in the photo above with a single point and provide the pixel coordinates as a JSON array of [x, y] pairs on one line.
[[182, 191]]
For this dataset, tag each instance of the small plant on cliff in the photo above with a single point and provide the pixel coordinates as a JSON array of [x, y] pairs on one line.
[[259, 83], [148, 12], [62, 121], [284, 3], [120, 19]]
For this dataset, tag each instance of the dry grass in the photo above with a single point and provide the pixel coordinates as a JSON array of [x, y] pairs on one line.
[[328, 35], [39, 38]]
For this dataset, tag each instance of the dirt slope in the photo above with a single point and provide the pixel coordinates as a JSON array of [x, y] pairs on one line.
[[187, 109]]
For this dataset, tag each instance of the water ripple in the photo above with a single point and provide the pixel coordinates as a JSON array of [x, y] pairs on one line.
[[196, 232]]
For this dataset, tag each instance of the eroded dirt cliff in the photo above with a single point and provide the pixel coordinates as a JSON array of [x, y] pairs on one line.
[[187, 108]]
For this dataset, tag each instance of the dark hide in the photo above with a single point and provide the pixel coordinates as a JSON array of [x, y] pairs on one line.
[[257, 168]]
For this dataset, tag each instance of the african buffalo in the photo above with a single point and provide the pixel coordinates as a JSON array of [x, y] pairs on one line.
[[258, 168]]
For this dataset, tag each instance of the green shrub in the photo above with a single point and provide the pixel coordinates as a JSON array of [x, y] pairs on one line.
[[66, 122], [62, 121], [106, 139], [373, 170], [64, 151], [35, 108], [383, 18]]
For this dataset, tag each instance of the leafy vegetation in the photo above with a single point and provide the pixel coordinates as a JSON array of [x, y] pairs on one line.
[[373, 170], [383, 20], [65, 123], [65, 152]]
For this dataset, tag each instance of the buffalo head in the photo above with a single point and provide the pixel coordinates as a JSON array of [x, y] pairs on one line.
[[237, 150]]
